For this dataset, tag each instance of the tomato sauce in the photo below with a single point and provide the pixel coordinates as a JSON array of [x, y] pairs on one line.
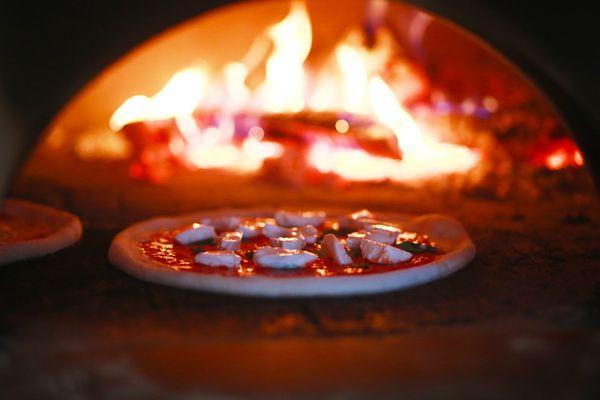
[[13, 229], [163, 248]]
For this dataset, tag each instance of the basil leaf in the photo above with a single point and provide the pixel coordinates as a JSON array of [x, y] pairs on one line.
[[353, 253], [202, 242], [416, 247], [337, 232], [198, 247]]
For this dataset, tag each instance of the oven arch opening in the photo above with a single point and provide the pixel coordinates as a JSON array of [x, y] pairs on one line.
[[508, 140]]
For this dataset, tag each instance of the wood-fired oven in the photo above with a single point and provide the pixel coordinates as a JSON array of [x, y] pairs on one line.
[[123, 112]]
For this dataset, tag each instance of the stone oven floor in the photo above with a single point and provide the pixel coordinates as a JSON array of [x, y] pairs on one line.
[[521, 321]]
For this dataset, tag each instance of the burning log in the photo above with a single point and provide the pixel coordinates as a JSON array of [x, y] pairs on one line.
[[159, 146], [344, 131], [152, 158]]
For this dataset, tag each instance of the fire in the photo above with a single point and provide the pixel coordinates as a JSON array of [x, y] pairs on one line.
[[283, 89], [390, 113], [561, 153], [179, 97], [216, 116]]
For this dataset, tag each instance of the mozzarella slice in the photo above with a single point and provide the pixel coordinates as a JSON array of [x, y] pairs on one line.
[[382, 233], [221, 258], [276, 257], [334, 250], [230, 241], [294, 241], [354, 239], [198, 233], [366, 223], [380, 253], [249, 231], [224, 223], [353, 221], [292, 218], [252, 227], [310, 233], [275, 231]]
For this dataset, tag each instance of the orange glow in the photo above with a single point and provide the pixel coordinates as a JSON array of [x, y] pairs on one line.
[[179, 97], [283, 90], [350, 80], [342, 126], [102, 144], [358, 165], [391, 114], [578, 158], [561, 153], [557, 160]]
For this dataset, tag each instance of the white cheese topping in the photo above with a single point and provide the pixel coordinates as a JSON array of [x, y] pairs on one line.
[[382, 233], [249, 231], [294, 241], [380, 253], [293, 218], [230, 240], [197, 233], [275, 231], [252, 227], [353, 221], [224, 223], [354, 239], [276, 257], [310, 233], [222, 258], [334, 250]]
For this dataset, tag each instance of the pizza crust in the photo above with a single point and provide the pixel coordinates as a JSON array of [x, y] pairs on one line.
[[66, 231], [446, 232]]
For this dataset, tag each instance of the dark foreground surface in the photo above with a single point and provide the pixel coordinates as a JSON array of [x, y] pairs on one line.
[[521, 321]]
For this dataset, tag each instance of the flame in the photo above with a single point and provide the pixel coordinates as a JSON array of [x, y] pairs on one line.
[[355, 79], [283, 89], [350, 81], [180, 96], [358, 165], [391, 114]]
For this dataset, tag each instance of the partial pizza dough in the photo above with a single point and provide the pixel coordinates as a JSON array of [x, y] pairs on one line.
[[66, 230], [446, 232]]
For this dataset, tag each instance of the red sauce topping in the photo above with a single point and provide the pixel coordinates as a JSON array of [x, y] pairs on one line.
[[13, 229], [163, 248]]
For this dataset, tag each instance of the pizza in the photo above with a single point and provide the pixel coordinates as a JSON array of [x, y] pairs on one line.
[[279, 253], [29, 230]]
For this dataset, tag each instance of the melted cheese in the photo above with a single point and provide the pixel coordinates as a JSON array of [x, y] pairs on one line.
[[276, 257], [380, 253], [222, 258]]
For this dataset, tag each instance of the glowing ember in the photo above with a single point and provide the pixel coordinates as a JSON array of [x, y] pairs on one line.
[[558, 154], [564, 157], [203, 112]]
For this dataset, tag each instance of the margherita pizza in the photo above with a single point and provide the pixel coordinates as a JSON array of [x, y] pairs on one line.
[[29, 230], [289, 253]]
